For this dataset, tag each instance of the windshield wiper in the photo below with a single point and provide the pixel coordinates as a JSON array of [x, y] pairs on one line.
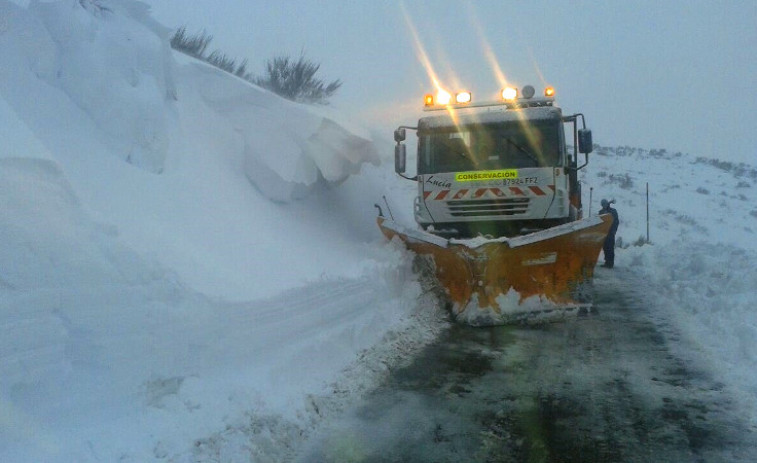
[[523, 150]]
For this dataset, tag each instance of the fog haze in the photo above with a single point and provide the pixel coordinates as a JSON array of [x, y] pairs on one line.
[[677, 74]]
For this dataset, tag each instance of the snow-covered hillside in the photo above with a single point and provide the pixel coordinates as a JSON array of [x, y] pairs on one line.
[[190, 267]]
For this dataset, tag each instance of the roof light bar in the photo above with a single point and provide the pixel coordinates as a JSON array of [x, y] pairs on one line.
[[510, 97]]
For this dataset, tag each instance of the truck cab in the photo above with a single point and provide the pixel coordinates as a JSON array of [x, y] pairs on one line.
[[496, 169]]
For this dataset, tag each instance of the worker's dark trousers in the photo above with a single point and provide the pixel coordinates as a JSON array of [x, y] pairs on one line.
[[609, 249]]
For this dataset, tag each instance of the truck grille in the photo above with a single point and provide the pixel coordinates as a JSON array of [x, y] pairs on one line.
[[488, 207]]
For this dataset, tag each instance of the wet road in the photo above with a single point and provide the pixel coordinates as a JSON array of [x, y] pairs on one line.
[[605, 387]]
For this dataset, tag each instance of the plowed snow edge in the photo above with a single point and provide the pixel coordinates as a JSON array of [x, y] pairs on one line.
[[273, 438]]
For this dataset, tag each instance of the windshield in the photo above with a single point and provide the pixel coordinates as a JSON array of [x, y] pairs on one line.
[[510, 145]]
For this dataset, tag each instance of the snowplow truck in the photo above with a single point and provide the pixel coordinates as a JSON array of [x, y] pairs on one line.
[[499, 212]]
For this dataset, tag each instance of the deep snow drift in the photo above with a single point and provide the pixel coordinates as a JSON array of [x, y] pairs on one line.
[[190, 267], [152, 292]]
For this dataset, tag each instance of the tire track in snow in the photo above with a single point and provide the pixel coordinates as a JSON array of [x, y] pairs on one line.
[[264, 435], [320, 310]]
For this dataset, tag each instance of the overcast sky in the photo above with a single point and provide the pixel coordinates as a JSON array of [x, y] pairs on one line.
[[667, 74]]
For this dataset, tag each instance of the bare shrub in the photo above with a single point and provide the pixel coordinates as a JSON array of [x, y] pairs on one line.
[[737, 170], [221, 61], [193, 46], [296, 81], [624, 181]]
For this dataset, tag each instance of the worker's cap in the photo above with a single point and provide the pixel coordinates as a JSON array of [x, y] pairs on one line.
[[605, 203]]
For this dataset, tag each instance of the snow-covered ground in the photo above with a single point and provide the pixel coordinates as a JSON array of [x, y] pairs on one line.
[[701, 267], [190, 267]]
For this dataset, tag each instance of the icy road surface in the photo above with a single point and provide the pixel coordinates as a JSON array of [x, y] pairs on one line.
[[606, 387]]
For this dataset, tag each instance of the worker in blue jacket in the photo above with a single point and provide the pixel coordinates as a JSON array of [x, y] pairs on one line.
[[609, 246]]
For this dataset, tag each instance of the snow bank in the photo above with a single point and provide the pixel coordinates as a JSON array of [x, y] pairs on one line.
[[114, 63], [110, 59], [48, 241], [289, 149], [712, 286], [703, 293], [700, 268], [141, 314], [105, 355]]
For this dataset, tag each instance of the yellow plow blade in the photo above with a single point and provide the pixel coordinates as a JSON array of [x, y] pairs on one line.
[[501, 280]]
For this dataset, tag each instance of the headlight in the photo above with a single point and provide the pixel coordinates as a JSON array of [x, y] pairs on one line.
[[443, 98], [509, 93], [463, 97]]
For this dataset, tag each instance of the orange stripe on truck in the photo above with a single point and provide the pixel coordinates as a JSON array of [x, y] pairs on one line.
[[460, 194], [537, 191], [480, 192], [533, 190]]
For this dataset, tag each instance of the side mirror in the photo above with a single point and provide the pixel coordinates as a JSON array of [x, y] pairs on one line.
[[585, 144], [400, 156], [399, 135]]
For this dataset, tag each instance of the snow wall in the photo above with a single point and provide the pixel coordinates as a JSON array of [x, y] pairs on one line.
[[114, 62]]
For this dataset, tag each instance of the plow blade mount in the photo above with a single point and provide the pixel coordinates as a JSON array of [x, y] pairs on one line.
[[496, 281]]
